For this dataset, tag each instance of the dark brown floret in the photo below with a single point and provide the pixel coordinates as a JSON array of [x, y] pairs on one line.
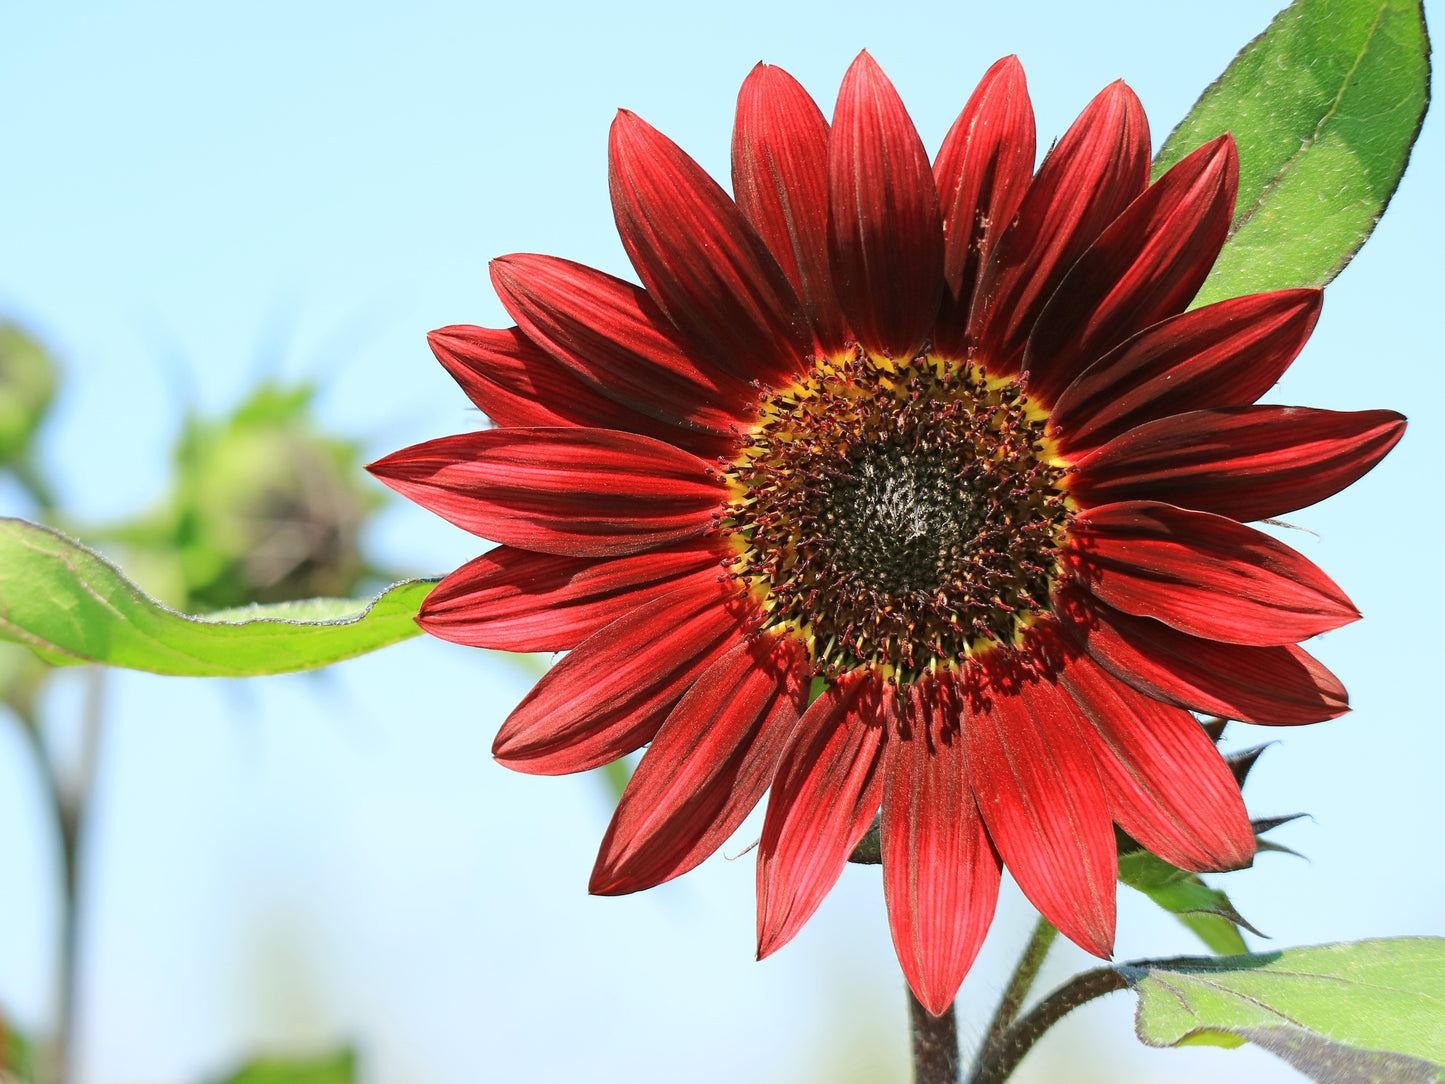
[[897, 516]]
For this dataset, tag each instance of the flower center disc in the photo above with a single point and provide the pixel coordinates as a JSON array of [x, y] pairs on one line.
[[898, 516]]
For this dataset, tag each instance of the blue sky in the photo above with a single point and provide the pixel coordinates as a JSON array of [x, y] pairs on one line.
[[197, 196]]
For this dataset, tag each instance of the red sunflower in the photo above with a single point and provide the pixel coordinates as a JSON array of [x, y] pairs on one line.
[[944, 437]]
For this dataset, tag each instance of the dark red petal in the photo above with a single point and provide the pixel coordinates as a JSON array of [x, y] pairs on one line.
[[1275, 686], [707, 767], [700, 260], [940, 870], [982, 172], [514, 382], [616, 340], [610, 695], [884, 228], [581, 492], [1146, 266], [1203, 574], [1041, 798], [517, 600], [780, 181], [1093, 173], [1226, 354], [1168, 786], [824, 795], [1249, 462]]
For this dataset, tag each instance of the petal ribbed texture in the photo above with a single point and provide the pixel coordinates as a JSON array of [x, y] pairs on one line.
[[707, 767], [884, 228], [825, 793], [1093, 173], [1251, 462], [715, 486], [1275, 686], [615, 339], [582, 492], [1226, 354], [515, 382], [700, 259], [1041, 798], [1168, 787], [1145, 267], [780, 181], [609, 696], [1203, 574], [982, 171], [940, 870], [517, 600]]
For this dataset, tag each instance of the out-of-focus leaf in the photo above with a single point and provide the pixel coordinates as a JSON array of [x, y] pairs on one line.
[[332, 1069], [27, 387], [17, 1056], [70, 605], [1204, 910], [1364, 1011], [1325, 106]]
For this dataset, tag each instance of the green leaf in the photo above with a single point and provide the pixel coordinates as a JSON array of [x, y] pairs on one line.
[[332, 1069], [1349, 1013], [1324, 106], [70, 605], [1204, 910]]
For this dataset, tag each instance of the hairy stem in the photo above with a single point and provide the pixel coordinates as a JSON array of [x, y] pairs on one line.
[[996, 1065], [1019, 985], [935, 1044]]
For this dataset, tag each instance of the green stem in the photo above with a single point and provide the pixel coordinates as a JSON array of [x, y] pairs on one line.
[[997, 1065], [70, 804], [935, 1044], [1019, 985]]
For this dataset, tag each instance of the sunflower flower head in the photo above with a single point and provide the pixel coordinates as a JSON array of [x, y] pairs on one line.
[[945, 436]]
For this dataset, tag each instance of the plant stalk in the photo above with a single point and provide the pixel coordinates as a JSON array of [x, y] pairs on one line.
[[1019, 985], [996, 1065], [69, 803], [935, 1044]]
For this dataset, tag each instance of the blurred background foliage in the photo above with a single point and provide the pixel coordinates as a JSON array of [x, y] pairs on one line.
[[263, 506]]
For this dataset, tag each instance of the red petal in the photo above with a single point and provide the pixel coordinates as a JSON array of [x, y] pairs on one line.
[[780, 181], [582, 492], [514, 382], [707, 767], [1203, 574], [517, 600], [884, 228], [700, 260], [1146, 266], [982, 172], [1275, 686], [609, 696], [1168, 786], [1226, 354], [1040, 795], [1249, 462], [1093, 173], [940, 871], [824, 795], [616, 340]]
